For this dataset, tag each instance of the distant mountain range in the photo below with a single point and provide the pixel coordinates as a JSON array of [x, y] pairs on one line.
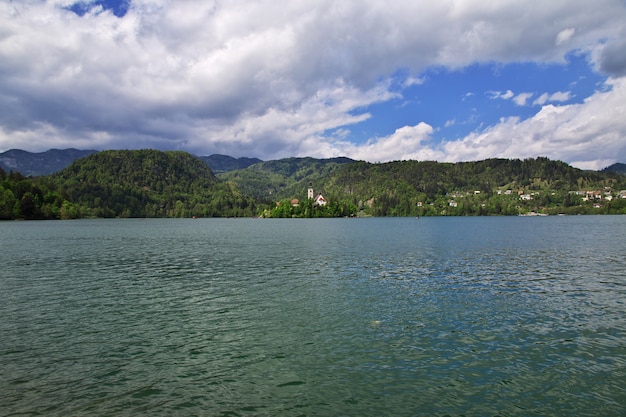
[[43, 163], [618, 168], [224, 163], [54, 160]]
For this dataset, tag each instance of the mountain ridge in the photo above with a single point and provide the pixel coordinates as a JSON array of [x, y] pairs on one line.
[[40, 163], [151, 183], [53, 160], [148, 183], [617, 167], [224, 163]]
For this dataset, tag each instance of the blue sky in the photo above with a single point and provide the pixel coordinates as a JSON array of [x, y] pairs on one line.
[[455, 80], [457, 102]]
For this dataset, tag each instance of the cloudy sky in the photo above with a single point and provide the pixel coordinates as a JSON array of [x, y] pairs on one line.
[[446, 80]]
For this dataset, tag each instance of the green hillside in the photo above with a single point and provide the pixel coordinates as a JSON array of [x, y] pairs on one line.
[[149, 183], [30, 198], [414, 188], [493, 186], [283, 178]]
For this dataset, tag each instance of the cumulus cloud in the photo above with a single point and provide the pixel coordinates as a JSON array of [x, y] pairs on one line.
[[590, 135], [268, 80], [613, 58], [407, 142]]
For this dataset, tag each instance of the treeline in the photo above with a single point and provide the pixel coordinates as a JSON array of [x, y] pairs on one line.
[[28, 198], [424, 188], [149, 183], [144, 183], [307, 209], [271, 181], [412, 188]]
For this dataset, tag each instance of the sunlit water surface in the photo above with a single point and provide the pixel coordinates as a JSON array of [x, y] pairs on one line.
[[338, 317]]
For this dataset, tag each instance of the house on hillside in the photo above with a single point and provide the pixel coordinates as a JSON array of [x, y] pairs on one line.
[[319, 200]]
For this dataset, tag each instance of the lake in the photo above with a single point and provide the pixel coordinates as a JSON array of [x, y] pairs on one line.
[[474, 316]]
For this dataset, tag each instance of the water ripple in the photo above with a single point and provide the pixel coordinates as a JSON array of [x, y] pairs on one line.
[[326, 317]]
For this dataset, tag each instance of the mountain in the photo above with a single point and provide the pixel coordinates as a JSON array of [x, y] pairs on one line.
[[410, 188], [224, 163], [149, 183], [618, 168], [38, 164], [492, 186], [53, 160]]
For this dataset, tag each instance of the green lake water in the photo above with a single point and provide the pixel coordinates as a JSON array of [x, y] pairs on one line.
[[506, 316]]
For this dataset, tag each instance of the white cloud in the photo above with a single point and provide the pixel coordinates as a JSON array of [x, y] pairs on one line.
[[504, 95], [405, 143], [590, 135], [266, 79], [542, 99], [564, 36], [410, 81], [522, 98], [519, 99], [559, 96], [587, 135]]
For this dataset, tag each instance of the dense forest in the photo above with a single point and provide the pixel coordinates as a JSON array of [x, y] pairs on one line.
[[489, 187], [31, 198], [283, 178], [150, 183], [423, 188]]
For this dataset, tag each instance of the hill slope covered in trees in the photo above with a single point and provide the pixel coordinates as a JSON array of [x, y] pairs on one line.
[[493, 186], [149, 183], [411, 188], [272, 180]]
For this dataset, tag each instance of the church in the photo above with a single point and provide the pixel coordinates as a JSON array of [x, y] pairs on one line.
[[318, 200]]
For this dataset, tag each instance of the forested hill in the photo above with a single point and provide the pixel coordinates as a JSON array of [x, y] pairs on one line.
[[491, 186], [407, 188], [149, 183], [271, 180]]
